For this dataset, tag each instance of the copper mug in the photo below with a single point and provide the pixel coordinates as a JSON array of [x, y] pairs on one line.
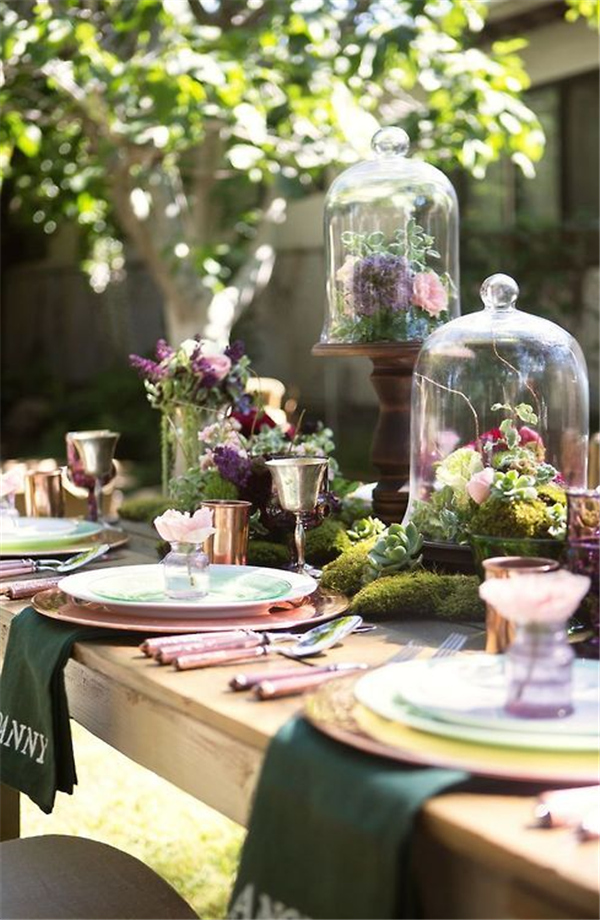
[[500, 632], [44, 493], [231, 520]]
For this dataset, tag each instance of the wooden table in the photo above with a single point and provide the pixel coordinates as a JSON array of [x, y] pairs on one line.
[[190, 729]]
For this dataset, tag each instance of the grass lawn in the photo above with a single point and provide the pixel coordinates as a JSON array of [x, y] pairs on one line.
[[118, 802]]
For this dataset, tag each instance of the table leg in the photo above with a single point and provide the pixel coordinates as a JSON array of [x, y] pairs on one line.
[[10, 813]]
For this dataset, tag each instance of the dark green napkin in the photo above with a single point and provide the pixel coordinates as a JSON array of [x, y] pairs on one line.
[[35, 732], [330, 831]]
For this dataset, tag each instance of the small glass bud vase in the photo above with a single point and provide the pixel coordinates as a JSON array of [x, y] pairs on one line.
[[186, 569], [539, 672]]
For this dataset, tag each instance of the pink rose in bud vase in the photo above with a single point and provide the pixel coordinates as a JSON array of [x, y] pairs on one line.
[[429, 293], [479, 486], [548, 598], [181, 527]]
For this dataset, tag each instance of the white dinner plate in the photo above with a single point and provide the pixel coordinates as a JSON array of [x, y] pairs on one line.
[[470, 691], [232, 589], [378, 692], [26, 534]]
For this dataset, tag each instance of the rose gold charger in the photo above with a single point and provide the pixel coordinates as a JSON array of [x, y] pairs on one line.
[[334, 710]]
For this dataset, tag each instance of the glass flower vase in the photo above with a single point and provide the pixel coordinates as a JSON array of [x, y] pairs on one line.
[[186, 570], [539, 672], [180, 443]]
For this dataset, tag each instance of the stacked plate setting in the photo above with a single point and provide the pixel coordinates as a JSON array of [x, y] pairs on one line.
[[233, 589], [38, 536], [133, 598], [463, 698]]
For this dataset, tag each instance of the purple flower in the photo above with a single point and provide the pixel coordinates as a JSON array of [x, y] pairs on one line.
[[147, 368], [204, 369], [381, 282], [235, 351], [163, 350], [232, 466]]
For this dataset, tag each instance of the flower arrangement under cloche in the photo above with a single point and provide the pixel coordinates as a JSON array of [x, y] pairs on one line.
[[391, 237], [499, 424]]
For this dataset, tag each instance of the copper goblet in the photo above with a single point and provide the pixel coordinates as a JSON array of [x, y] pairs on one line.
[[298, 481]]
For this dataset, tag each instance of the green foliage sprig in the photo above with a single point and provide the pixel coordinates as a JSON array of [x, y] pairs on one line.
[[412, 243]]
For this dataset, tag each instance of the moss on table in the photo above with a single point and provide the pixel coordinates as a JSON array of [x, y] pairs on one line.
[[421, 595]]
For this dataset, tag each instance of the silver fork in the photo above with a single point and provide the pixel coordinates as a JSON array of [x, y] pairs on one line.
[[407, 652], [452, 644]]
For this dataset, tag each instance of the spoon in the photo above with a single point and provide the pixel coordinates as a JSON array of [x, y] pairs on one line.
[[312, 643], [28, 566]]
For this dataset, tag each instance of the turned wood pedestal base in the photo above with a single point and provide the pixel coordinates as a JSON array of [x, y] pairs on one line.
[[393, 365]]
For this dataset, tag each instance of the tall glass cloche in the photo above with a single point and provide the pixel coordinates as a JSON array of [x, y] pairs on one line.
[[391, 237], [499, 423]]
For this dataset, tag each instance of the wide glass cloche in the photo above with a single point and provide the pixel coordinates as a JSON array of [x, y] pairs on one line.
[[499, 423], [391, 238]]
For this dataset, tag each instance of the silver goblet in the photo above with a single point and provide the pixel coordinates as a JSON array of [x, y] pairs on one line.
[[96, 451], [298, 481]]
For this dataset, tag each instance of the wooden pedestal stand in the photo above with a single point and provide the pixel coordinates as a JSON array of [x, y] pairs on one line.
[[393, 365]]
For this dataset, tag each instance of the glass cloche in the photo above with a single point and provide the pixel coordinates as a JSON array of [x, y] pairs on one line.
[[391, 237], [499, 424]]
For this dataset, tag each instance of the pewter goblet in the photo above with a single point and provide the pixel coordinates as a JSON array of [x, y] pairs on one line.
[[96, 451], [298, 481]]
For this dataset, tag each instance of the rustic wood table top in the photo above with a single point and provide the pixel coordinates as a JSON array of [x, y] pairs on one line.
[[189, 728]]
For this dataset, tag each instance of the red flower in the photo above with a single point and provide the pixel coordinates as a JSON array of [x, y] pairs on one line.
[[253, 420], [494, 436]]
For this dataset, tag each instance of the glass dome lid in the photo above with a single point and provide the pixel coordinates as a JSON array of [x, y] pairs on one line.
[[499, 423], [391, 238]]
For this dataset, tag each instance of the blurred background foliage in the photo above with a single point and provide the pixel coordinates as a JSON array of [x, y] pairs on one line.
[[173, 133]]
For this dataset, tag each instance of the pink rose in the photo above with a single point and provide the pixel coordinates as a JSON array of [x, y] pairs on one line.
[[11, 481], [220, 365], [179, 527], [528, 435], [549, 597], [429, 293], [479, 485]]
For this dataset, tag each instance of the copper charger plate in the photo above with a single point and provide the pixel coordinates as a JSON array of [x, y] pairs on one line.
[[114, 538], [334, 710], [56, 605]]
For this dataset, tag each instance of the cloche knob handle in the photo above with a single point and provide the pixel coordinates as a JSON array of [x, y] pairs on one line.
[[390, 142], [499, 292]]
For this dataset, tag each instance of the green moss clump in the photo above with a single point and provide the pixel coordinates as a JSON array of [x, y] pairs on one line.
[[421, 595], [144, 510], [551, 494], [265, 553], [461, 600], [214, 487], [344, 574], [326, 542], [497, 518]]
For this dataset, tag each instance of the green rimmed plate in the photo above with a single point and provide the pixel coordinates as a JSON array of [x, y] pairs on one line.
[[232, 588], [30, 534]]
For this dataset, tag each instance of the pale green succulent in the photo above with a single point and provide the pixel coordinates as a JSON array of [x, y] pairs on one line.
[[513, 486], [365, 528], [396, 550]]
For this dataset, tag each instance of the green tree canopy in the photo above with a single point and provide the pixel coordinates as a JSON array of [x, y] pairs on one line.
[[183, 126]]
